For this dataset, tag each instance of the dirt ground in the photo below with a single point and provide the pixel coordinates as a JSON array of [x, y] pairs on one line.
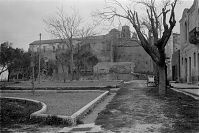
[[139, 109]]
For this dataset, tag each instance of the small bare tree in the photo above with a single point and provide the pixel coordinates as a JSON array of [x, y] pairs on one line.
[[65, 27], [63, 60], [154, 43]]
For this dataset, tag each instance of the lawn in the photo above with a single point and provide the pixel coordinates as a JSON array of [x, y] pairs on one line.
[[63, 103], [69, 84]]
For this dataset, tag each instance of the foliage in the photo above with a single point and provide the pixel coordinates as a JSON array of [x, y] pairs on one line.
[[35, 59], [67, 27], [85, 59], [54, 120], [14, 60], [51, 66], [6, 56]]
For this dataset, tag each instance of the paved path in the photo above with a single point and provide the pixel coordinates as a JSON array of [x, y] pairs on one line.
[[188, 89], [184, 86], [138, 109]]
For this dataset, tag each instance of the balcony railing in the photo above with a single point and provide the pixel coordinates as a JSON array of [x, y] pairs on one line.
[[194, 36]]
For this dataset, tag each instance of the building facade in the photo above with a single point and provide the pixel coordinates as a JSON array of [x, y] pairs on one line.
[[116, 46], [189, 52], [172, 46]]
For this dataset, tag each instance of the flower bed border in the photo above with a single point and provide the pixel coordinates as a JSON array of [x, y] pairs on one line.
[[70, 120]]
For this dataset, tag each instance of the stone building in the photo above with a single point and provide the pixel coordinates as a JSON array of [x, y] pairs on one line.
[[116, 46], [172, 46], [189, 36]]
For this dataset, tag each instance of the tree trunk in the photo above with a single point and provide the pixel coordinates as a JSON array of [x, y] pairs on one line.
[[71, 67], [162, 79], [8, 76], [62, 65]]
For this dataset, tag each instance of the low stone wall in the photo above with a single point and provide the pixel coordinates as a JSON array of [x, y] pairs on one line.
[[180, 93], [71, 120], [35, 114], [84, 110]]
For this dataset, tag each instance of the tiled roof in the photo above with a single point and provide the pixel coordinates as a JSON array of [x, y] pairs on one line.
[[52, 41], [46, 42]]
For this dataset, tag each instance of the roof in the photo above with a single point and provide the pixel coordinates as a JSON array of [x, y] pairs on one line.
[[186, 10], [46, 41], [116, 67], [51, 41], [110, 64], [184, 14]]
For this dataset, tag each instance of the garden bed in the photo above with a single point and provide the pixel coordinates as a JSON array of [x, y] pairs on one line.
[[58, 103], [16, 110]]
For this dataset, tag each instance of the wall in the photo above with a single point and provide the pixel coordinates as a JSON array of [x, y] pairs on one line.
[[188, 63], [131, 51], [176, 66]]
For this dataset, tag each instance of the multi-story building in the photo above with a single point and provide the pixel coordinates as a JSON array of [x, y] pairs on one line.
[[189, 36], [116, 46]]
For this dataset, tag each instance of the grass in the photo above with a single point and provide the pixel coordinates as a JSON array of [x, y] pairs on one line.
[[58, 103], [68, 85]]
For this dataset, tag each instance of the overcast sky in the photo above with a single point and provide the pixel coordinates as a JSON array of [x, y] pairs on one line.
[[21, 21]]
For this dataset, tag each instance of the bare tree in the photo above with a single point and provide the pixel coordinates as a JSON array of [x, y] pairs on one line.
[[65, 27], [62, 59], [153, 43]]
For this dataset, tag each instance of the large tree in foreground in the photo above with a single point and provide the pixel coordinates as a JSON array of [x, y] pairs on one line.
[[154, 43]]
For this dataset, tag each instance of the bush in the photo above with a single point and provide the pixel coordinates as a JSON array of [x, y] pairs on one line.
[[54, 120]]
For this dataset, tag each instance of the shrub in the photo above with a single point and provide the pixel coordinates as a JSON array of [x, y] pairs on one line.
[[54, 120]]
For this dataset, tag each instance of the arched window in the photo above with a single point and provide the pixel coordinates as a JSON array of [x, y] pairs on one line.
[[185, 33]]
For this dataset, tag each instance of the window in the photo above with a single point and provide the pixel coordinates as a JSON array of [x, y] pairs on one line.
[[185, 32], [194, 59]]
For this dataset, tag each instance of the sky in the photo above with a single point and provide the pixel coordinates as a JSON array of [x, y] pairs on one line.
[[21, 21]]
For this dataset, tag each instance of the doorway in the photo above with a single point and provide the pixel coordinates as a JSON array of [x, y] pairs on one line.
[[189, 69], [186, 69], [198, 66]]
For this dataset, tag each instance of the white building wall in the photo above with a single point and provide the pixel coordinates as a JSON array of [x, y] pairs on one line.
[[189, 70]]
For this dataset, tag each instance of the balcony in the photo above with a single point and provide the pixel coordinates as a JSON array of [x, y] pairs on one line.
[[194, 36]]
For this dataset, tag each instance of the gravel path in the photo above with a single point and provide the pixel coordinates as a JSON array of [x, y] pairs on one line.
[[138, 109], [90, 118]]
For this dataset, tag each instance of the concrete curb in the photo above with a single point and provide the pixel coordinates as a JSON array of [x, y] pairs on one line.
[[42, 110], [56, 91], [60, 87], [80, 113], [40, 114], [186, 93]]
